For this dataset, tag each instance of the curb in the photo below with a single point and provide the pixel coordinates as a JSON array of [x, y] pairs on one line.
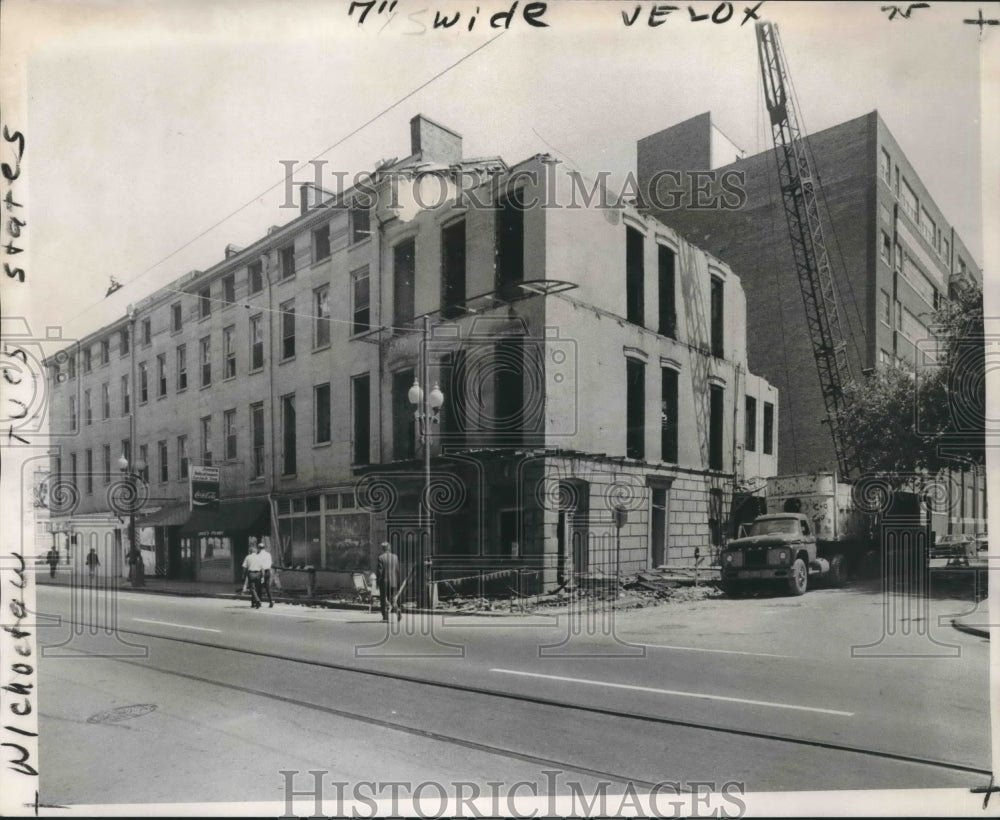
[[971, 630]]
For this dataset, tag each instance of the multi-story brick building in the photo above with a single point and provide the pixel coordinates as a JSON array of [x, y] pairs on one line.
[[589, 359], [894, 257]]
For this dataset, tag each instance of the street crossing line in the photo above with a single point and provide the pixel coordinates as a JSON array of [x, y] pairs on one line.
[[673, 692], [722, 651], [182, 626]]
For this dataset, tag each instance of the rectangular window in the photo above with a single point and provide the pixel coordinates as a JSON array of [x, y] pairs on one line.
[[668, 409], [229, 288], [321, 243], [229, 431], [87, 362], [147, 332], [884, 307], [206, 441], [403, 422], [255, 277], [182, 457], [73, 421], [321, 408], [88, 413], [161, 375], [635, 409], [257, 439], [161, 447], [105, 401], [286, 261], [106, 452], [123, 342], [105, 351], [360, 401], [404, 257], [205, 348], [321, 316], [635, 274], [750, 423], [71, 366], [927, 227], [182, 368], [717, 318], [287, 329], [88, 466], [908, 200], [176, 317], [884, 165], [205, 303], [256, 342], [453, 269], [510, 244], [668, 292], [768, 428], [945, 250], [898, 258], [126, 397], [229, 352], [716, 418], [127, 451], [885, 248], [508, 390], [360, 219], [72, 469], [143, 383], [361, 311], [288, 462]]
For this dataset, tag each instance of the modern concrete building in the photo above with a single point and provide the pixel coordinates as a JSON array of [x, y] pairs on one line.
[[588, 360], [893, 253]]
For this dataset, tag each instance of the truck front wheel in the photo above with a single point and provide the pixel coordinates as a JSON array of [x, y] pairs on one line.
[[798, 578]]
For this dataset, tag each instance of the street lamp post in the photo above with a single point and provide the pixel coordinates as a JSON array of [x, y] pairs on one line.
[[427, 412], [137, 576]]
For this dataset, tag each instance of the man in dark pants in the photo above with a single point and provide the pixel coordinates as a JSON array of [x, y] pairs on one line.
[[387, 572], [53, 559]]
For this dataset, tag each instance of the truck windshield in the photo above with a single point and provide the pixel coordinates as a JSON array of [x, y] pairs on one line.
[[789, 526]]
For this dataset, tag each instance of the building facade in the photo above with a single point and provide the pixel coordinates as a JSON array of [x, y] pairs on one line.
[[894, 258], [597, 412]]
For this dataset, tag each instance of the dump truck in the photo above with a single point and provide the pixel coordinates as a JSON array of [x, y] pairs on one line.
[[814, 530]]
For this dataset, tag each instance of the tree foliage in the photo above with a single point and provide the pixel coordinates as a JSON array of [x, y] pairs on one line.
[[930, 417]]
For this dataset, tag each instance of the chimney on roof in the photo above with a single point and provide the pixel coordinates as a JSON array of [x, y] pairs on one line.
[[433, 141], [232, 250]]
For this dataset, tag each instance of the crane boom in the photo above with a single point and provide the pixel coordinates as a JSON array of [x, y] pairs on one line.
[[812, 263]]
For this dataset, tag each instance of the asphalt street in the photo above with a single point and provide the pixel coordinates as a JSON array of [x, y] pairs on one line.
[[196, 699]]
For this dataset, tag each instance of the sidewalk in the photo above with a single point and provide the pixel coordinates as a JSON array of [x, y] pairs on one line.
[[196, 589]]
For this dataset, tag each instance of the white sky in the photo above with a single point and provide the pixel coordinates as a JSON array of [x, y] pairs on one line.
[[148, 123]]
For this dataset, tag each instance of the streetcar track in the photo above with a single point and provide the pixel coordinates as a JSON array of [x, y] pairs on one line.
[[519, 697]]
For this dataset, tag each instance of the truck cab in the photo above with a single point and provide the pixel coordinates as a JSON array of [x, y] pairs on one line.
[[780, 547]]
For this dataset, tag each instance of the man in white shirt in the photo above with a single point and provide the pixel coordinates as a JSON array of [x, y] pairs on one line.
[[253, 566], [265, 557]]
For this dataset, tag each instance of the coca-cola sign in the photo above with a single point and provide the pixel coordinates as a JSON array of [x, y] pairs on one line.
[[204, 488]]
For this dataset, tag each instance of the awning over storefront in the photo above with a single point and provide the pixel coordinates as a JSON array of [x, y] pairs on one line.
[[165, 517], [236, 516]]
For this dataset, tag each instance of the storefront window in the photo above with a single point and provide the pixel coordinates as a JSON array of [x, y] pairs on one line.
[[347, 542]]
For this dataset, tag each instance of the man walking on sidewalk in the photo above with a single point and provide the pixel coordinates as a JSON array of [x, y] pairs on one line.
[[266, 563], [387, 572], [253, 566], [53, 558]]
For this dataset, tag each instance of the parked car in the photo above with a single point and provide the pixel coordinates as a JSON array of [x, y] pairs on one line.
[[948, 546]]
